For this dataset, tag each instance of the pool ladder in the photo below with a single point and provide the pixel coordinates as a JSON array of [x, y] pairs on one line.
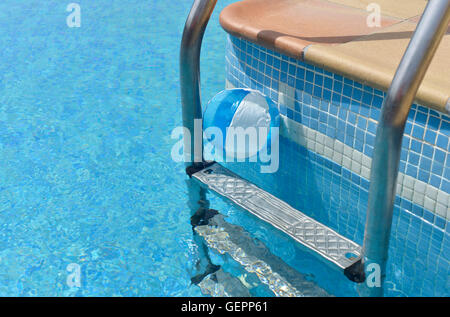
[[344, 253]]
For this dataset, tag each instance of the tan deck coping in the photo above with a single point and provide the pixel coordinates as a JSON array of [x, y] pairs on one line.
[[288, 26], [402, 9], [373, 59], [338, 39]]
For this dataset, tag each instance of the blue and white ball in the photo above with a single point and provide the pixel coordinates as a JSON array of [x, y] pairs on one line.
[[240, 108]]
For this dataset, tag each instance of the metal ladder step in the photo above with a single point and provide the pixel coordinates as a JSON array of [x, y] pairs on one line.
[[223, 284], [256, 258], [317, 237]]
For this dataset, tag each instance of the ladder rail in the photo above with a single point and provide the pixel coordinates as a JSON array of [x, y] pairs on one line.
[[191, 43]]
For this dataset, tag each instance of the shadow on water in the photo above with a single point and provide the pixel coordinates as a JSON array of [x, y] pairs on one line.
[[200, 214]]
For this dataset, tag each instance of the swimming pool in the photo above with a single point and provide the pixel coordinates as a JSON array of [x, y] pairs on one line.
[[87, 174]]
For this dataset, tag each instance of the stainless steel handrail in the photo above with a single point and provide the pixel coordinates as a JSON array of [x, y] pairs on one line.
[[191, 43], [383, 179]]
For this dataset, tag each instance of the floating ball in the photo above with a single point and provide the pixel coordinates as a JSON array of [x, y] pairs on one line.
[[244, 119]]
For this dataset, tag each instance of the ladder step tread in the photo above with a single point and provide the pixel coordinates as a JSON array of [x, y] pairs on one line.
[[326, 242]]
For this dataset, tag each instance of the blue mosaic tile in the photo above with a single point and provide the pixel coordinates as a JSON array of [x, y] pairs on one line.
[[345, 99]]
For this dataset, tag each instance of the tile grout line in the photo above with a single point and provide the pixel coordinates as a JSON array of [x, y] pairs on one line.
[[408, 187]]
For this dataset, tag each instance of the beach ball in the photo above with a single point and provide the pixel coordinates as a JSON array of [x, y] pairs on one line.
[[238, 123]]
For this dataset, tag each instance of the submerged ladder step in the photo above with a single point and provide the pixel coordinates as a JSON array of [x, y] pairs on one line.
[[319, 238], [256, 258], [223, 284]]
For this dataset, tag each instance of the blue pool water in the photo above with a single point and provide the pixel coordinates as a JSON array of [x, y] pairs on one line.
[[85, 121], [86, 172]]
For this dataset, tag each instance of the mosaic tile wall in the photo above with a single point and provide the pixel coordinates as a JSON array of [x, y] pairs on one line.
[[336, 119], [344, 114]]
